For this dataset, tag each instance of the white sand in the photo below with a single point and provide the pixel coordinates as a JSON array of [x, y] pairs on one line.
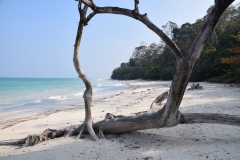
[[198, 141]]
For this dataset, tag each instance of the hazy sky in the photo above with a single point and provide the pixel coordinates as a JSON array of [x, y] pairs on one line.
[[37, 37]]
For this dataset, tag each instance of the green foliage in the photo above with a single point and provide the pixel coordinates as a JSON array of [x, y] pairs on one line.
[[156, 61], [153, 72], [222, 79]]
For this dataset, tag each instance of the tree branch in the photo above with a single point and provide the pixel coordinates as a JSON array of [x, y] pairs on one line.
[[136, 2], [207, 28], [142, 18], [89, 17], [88, 3], [136, 15], [157, 102]]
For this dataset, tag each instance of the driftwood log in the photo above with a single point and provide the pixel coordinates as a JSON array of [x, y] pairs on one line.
[[117, 124], [193, 87], [169, 115]]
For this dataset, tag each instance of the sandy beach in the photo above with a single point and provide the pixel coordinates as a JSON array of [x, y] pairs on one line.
[[198, 141]]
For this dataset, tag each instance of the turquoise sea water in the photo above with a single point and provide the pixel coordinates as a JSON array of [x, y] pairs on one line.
[[19, 94]]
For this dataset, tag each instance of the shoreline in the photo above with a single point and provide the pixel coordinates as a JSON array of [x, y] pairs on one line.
[[22, 116], [184, 141], [23, 112], [34, 94]]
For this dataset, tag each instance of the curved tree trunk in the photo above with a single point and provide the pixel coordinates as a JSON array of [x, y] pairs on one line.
[[169, 115], [88, 92]]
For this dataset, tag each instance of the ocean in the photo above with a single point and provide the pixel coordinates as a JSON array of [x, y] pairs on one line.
[[36, 94]]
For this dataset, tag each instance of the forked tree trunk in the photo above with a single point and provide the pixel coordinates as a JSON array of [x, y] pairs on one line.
[[169, 115]]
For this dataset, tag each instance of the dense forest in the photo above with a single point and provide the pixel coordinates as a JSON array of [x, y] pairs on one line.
[[219, 62]]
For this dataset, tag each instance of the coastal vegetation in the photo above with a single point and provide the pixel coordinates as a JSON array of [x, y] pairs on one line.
[[219, 62]]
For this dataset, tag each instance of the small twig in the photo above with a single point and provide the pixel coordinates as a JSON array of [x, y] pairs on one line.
[[136, 9]]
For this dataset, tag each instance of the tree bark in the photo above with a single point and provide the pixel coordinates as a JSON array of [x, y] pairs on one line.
[[169, 115], [157, 102], [190, 118], [88, 92], [186, 65]]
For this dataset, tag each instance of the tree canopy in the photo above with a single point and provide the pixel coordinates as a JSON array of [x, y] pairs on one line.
[[219, 61]]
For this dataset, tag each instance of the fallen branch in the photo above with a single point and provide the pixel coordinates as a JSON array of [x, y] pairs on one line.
[[197, 86], [117, 124]]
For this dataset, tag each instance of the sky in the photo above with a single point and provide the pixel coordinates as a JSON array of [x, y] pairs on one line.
[[37, 37]]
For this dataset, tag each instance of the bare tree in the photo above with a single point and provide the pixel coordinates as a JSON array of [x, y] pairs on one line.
[[88, 92], [169, 115]]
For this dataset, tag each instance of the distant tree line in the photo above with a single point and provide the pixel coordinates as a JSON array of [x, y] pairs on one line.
[[219, 62]]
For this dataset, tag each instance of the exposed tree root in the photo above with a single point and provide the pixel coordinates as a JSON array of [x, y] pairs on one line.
[[81, 130]]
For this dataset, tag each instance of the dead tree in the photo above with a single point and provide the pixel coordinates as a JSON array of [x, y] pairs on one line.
[[169, 115], [88, 92]]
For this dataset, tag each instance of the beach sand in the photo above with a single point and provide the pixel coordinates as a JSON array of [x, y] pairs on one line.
[[197, 141]]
